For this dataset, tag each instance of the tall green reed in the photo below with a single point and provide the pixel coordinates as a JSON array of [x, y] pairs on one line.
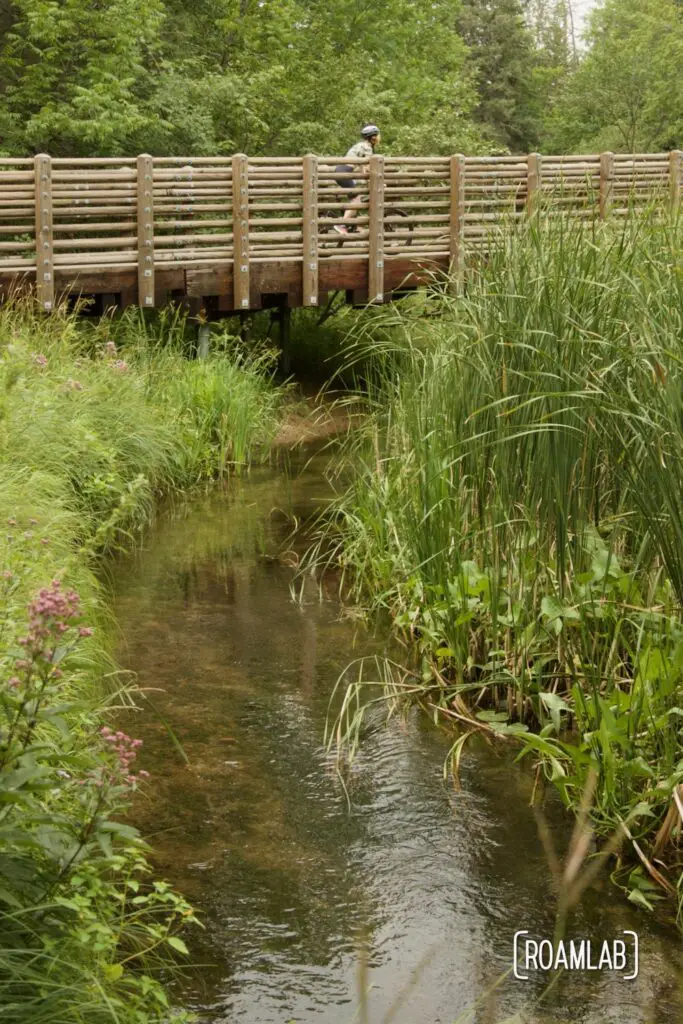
[[515, 498]]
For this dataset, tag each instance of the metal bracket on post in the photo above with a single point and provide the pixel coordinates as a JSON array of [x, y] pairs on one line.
[[145, 200], [376, 231], [240, 230], [45, 272]]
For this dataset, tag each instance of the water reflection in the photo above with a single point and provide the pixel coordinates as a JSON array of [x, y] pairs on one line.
[[257, 828]]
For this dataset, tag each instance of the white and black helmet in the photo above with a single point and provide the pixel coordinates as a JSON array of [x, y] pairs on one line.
[[369, 130]]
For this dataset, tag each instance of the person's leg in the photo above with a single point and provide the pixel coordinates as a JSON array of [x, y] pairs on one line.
[[347, 185], [351, 210]]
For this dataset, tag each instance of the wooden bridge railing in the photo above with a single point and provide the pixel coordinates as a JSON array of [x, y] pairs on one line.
[[62, 218]]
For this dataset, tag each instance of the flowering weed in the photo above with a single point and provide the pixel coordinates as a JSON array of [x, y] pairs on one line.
[[92, 430]]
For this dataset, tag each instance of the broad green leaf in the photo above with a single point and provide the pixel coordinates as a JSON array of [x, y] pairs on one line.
[[178, 944], [492, 716], [113, 971], [636, 896]]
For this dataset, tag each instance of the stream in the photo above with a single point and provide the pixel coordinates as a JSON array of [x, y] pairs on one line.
[[301, 875]]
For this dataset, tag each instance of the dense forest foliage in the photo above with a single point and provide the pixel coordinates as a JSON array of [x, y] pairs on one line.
[[83, 77]]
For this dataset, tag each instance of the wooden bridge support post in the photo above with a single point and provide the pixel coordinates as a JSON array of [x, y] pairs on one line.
[[284, 317], [534, 181], [203, 340], [606, 184], [45, 274], [675, 175], [145, 197], [457, 223], [310, 231], [376, 231], [240, 229]]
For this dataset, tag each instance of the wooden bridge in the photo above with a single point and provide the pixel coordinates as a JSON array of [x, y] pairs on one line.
[[242, 233]]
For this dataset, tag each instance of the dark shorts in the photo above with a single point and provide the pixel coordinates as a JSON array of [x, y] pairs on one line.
[[346, 183]]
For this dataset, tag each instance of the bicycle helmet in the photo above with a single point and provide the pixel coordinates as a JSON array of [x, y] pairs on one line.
[[369, 130]]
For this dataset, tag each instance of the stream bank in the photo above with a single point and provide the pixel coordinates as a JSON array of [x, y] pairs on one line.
[[98, 420]]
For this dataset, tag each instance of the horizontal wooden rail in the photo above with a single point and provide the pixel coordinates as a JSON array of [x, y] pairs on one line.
[[241, 228]]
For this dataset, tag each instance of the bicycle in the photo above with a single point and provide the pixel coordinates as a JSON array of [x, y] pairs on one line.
[[389, 228]]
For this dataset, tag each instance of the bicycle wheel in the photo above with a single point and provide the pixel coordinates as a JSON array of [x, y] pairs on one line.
[[391, 229], [328, 218]]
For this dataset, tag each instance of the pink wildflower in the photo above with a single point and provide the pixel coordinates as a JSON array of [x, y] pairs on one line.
[[49, 613], [121, 366], [39, 359], [125, 749], [85, 631], [14, 682]]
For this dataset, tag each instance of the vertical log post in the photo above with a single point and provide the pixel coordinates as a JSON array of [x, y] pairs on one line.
[[675, 174], [457, 223], [203, 340], [45, 275], [606, 184], [145, 197], [534, 181], [240, 229], [285, 320], [310, 231], [376, 231]]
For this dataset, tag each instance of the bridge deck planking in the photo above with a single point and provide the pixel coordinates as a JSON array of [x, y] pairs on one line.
[[148, 229]]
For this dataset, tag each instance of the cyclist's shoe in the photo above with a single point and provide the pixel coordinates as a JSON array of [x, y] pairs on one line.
[[341, 229]]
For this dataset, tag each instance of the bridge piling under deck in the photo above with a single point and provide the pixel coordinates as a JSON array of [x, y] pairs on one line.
[[227, 235]]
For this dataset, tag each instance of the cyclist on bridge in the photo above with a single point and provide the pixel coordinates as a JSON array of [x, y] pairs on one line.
[[370, 136]]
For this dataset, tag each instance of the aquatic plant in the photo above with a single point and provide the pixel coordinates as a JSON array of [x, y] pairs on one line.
[[515, 504]]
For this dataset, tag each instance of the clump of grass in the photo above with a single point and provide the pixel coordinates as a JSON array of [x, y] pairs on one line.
[[515, 503], [104, 407], [96, 421]]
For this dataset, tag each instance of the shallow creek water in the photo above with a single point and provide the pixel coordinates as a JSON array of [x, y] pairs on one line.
[[294, 872]]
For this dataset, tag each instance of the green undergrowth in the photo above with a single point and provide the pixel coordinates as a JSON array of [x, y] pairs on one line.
[[516, 504], [97, 420], [317, 339]]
